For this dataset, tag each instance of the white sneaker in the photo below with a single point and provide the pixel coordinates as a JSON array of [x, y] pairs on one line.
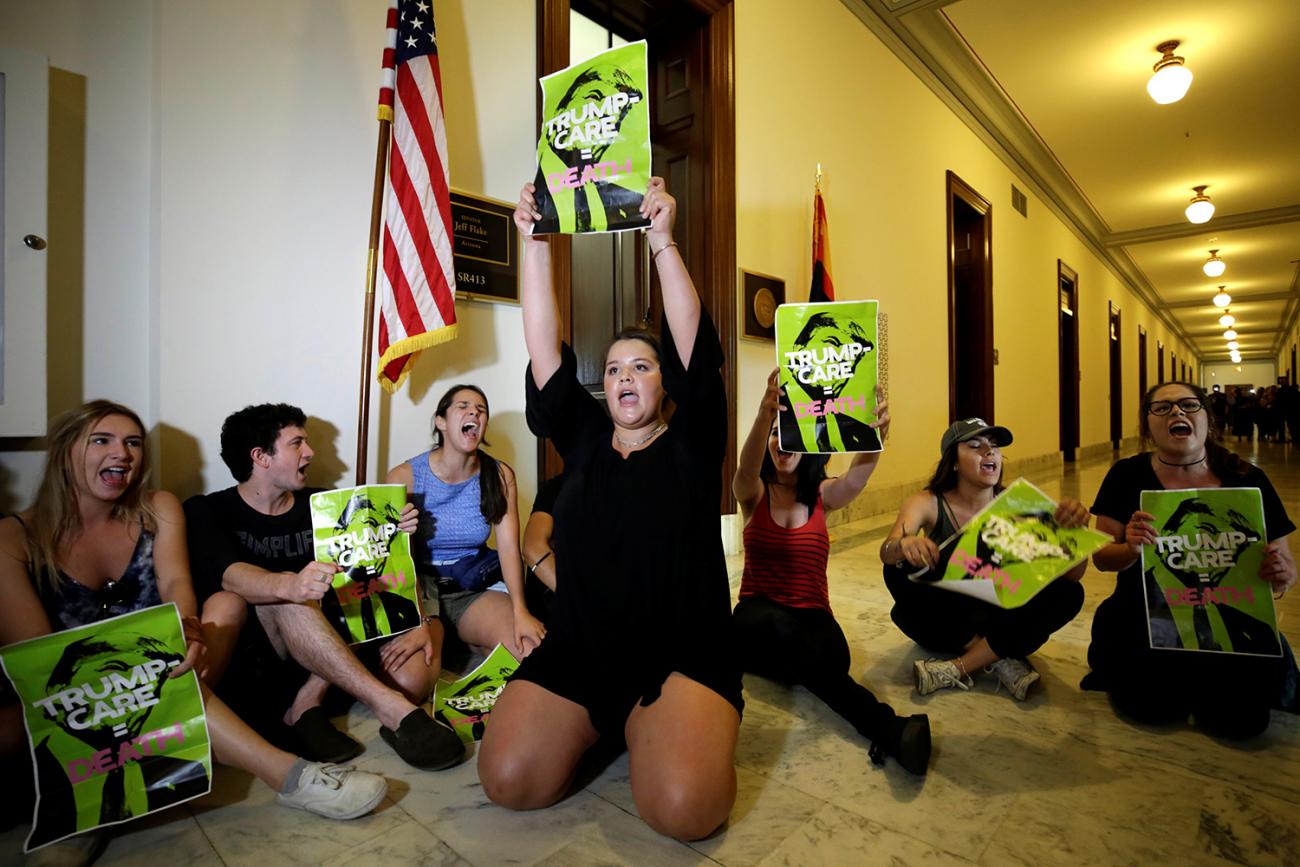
[[336, 791], [1017, 675], [934, 674]]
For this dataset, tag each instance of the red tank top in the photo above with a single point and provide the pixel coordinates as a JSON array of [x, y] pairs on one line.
[[786, 565]]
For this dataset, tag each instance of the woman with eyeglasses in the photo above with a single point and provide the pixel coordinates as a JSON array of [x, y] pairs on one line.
[[1228, 694]]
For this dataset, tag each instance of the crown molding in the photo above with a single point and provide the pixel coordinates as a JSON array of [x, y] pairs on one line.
[[926, 42], [1232, 222]]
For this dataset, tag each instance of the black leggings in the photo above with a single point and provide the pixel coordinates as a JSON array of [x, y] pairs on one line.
[[806, 646], [945, 621]]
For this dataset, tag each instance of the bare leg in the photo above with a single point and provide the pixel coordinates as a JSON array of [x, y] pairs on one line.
[[488, 622], [311, 694], [682, 753], [524, 765], [978, 654], [223, 618], [303, 632]]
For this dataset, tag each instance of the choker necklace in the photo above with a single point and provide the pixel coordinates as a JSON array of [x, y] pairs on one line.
[[631, 444], [1199, 460]]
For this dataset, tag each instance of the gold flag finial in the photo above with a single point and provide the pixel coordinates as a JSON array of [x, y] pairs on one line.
[[819, 177]]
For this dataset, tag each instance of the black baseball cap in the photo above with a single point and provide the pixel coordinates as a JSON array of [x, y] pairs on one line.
[[969, 428]]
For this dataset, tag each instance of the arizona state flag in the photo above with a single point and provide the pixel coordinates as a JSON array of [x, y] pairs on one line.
[[822, 289]]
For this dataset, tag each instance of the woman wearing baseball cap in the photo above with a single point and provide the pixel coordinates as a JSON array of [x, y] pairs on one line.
[[977, 634]]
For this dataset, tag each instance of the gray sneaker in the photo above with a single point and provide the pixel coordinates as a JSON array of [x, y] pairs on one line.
[[1017, 675], [336, 791], [934, 674]]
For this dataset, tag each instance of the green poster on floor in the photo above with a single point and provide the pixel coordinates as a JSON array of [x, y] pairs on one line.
[[826, 353], [1201, 578], [113, 735], [467, 702], [1013, 548], [375, 592], [593, 154]]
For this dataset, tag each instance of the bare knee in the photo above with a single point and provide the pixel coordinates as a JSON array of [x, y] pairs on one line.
[[225, 610], [688, 809], [512, 780]]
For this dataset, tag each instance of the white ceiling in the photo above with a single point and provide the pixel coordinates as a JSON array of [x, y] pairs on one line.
[[1061, 85]]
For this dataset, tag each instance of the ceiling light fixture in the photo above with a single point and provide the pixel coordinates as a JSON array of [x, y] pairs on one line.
[[1236, 359], [1229, 335], [1223, 299], [1201, 208], [1233, 345], [1171, 77], [1227, 320], [1214, 266]]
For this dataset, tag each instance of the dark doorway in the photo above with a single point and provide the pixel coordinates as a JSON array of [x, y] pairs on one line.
[[1116, 380], [606, 282], [1067, 292], [1160, 362], [1142, 362], [970, 303]]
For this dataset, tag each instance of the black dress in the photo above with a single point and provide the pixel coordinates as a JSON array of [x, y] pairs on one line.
[[1228, 693], [641, 580]]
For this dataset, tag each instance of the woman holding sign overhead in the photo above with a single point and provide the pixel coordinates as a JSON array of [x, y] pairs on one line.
[[977, 634], [97, 544], [637, 646], [783, 623], [1229, 692]]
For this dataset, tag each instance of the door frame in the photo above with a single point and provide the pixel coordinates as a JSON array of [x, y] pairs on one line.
[[956, 187], [1115, 358], [1069, 440]]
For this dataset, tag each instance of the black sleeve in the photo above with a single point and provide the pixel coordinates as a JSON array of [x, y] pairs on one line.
[[698, 391], [547, 491], [1117, 498], [211, 548], [562, 410], [1276, 521]]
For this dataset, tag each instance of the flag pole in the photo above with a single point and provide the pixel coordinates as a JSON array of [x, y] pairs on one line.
[[368, 328]]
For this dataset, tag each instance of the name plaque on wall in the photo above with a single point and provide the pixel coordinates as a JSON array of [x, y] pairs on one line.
[[485, 249]]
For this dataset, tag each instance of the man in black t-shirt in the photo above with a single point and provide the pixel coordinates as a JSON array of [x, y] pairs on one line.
[[256, 576]]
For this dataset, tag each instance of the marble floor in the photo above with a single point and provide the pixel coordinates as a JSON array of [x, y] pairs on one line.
[[1058, 779]]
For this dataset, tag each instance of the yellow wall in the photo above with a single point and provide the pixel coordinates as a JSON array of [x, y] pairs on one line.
[[819, 87]]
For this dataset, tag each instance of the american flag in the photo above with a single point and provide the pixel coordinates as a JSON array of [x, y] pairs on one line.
[[822, 289], [417, 308]]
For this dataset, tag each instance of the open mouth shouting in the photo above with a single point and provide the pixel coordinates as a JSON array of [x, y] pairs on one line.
[[471, 430], [116, 476], [1180, 429]]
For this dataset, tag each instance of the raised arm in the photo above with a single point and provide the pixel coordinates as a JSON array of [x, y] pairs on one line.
[[536, 293], [842, 490], [681, 303], [746, 485]]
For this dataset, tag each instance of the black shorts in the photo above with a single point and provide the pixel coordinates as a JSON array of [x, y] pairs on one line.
[[609, 693]]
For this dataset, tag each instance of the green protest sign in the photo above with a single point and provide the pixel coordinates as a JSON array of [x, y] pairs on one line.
[[467, 702], [375, 593], [1201, 578], [827, 357], [113, 736], [1013, 548], [593, 155]]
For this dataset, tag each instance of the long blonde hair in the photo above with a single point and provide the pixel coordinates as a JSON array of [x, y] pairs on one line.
[[56, 518]]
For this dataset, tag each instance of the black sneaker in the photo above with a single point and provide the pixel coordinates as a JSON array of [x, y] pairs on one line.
[[908, 743], [423, 743], [318, 741]]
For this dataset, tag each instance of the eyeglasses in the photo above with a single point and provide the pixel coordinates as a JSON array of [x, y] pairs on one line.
[[1188, 405]]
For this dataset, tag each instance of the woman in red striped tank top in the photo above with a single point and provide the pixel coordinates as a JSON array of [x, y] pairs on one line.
[[783, 623]]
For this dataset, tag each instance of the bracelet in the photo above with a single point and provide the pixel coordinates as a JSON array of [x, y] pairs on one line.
[[428, 618], [540, 561], [653, 256]]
